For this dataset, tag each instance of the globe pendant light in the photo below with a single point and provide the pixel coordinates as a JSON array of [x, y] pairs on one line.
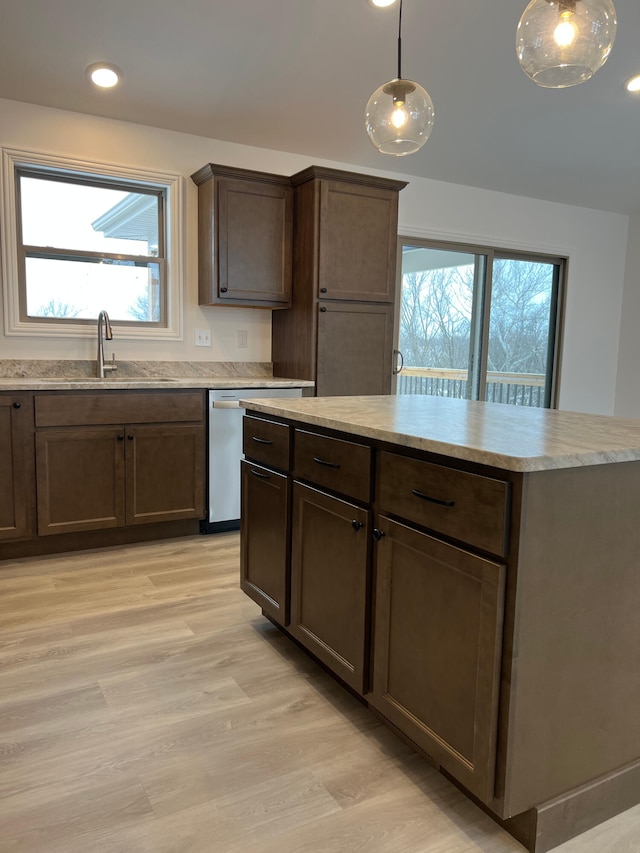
[[561, 43], [399, 115]]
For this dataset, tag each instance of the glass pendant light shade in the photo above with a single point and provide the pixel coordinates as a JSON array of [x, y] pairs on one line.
[[561, 43], [399, 117]]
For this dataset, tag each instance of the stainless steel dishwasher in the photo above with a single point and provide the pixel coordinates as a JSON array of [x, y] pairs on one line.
[[225, 453]]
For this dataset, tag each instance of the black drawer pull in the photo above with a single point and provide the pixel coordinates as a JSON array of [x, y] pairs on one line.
[[424, 497], [319, 461], [323, 290], [357, 525], [260, 440], [223, 289], [17, 405], [378, 534], [260, 474]]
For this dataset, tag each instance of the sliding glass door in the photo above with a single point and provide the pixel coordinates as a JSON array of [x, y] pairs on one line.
[[477, 323]]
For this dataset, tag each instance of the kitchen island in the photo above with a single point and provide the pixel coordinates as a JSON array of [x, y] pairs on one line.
[[470, 570]]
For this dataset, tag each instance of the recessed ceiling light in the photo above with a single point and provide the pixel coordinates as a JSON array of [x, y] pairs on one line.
[[104, 75], [633, 84], [381, 3]]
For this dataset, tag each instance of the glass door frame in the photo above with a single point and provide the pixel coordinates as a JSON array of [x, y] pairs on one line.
[[478, 354]]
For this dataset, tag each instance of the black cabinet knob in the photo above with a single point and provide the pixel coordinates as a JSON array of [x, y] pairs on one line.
[[223, 289], [130, 438], [323, 309], [377, 534], [323, 290], [17, 405], [120, 438], [357, 525]]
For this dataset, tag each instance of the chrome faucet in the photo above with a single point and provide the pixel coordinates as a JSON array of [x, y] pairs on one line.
[[103, 318]]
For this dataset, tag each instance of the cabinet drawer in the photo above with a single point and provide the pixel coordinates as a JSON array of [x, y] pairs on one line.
[[467, 507], [342, 466], [266, 441]]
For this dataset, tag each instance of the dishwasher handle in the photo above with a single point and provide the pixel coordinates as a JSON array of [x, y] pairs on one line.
[[226, 404]]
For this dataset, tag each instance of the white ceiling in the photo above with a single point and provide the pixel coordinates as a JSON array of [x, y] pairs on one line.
[[295, 75]]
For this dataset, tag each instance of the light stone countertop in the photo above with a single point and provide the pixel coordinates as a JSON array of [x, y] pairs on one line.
[[89, 383], [514, 438], [74, 375]]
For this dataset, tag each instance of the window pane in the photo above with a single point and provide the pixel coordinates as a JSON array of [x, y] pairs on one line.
[[74, 216], [80, 290], [437, 322], [518, 352]]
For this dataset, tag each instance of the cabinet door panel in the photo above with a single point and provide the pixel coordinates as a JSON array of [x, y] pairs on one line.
[[14, 482], [330, 581], [358, 233], [264, 540], [80, 479], [355, 345], [437, 637], [164, 473], [255, 235]]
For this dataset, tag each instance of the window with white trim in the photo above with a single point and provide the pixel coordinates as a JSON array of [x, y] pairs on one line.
[[80, 238]]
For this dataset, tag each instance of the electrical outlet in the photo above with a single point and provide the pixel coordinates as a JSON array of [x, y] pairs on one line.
[[203, 337], [242, 338]]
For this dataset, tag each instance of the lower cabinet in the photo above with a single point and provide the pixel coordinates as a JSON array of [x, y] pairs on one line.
[[89, 478], [409, 620], [265, 536], [164, 473], [16, 466], [330, 581], [94, 471], [80, 479], [437, 641]]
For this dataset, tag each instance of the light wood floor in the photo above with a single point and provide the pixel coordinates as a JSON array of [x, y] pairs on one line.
[[146, 706]]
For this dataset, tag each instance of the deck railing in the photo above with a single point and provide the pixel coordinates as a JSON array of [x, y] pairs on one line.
[[520, 389]]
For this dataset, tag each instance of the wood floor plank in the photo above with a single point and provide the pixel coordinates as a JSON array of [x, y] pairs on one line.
[[146, 706]]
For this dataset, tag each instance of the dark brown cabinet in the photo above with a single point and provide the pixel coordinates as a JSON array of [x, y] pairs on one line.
[[164, 473], [80, 479], [411, 621], [439, 613], [16, 466], [110, 474], [265, 534], [330, 581], [330, 552], [339, 329], [244, 237], [355, 348], [357, 222]]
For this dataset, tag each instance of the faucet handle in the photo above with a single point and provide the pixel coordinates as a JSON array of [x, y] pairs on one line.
[[112, 365]]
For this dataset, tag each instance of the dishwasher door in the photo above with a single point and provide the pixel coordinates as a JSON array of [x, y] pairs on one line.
[[225, 452]]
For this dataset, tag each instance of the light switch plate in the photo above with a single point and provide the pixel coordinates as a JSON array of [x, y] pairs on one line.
[[203, 337], [242, 338]]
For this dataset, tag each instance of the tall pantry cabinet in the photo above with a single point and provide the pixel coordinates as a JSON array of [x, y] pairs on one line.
[[339, 329]]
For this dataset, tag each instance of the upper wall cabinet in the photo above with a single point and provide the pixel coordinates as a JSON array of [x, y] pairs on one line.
[[353, 221], [245, 225]]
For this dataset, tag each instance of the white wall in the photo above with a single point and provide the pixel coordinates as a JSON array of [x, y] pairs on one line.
[[628, 385], [596, 243]]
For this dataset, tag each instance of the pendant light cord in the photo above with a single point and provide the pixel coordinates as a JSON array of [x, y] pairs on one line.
[[400, 41]]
